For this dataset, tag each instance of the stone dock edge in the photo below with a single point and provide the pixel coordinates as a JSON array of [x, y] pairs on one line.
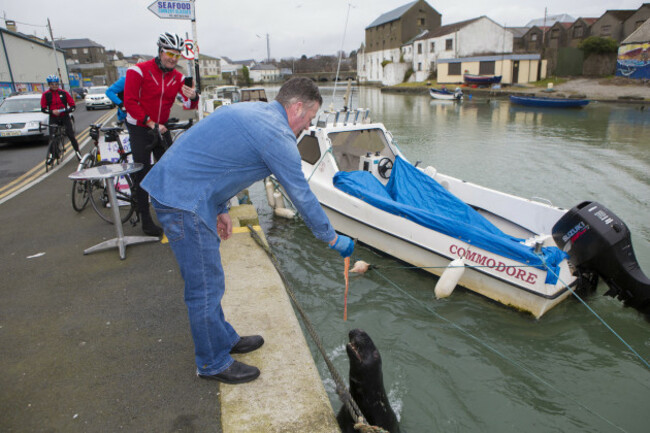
[[289, 394]]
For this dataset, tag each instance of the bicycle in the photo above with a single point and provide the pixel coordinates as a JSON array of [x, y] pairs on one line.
[[55, 147], [124, 185], [81, 188]]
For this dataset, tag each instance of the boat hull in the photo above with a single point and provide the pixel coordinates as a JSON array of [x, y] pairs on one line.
[[445, 96], [535, 101], [482, 79], [500, 279]]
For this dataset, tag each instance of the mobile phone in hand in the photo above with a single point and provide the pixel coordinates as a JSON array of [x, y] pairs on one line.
[[188, 81]]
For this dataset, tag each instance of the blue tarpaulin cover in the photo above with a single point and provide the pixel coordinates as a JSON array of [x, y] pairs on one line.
[[413, 195]]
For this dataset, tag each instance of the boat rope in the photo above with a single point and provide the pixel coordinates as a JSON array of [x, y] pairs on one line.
[[598, 317], [549, 269], [341, 388], [447, 267], [519, 365]]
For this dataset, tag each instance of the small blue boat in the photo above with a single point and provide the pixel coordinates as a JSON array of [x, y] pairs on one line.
[[543, 101]]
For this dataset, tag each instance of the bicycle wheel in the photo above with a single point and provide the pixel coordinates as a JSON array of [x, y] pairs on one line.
[[60, 150], [176, 133], [81, 188], [100, 201]]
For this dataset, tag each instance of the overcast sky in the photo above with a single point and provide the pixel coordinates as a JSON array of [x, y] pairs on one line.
[[238, 28]]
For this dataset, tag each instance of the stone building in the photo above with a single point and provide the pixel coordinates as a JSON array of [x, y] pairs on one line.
[[610, 24], [385, 36], [90, 59]]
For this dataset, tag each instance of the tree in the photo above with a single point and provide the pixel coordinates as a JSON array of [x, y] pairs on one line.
[[246, 75], [598, 45]]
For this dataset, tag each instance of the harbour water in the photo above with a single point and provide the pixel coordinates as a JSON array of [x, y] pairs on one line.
[[465, 363]]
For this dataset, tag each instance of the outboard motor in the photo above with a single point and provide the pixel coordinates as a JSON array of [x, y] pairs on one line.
[[597, 240]]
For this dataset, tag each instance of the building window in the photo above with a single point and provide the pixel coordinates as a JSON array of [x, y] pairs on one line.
[[555, 33], [433, 47], [420, 48], [420, 21], [533, 37], [606, 30], [85, 50], [578, 32], [453, 68], [449, 44], [74, 51], [486, 68], [419, 66]]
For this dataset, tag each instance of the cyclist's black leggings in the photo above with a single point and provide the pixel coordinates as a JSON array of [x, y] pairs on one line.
[[69, 130], [142, 142]]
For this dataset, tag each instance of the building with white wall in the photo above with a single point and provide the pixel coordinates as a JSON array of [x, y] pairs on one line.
[[25, 62], [264, 73], [474, 37]]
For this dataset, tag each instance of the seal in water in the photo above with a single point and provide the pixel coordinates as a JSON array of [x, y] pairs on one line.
[[367, 386]]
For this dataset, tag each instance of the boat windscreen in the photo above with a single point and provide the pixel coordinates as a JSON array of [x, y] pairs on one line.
[[349, 146]]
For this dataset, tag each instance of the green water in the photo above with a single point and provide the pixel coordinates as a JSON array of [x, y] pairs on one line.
[[467, 364]]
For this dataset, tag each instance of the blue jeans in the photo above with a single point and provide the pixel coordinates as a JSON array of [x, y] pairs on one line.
[[196, 248]]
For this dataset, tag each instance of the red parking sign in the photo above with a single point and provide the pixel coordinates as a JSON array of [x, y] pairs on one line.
[[189, 50]]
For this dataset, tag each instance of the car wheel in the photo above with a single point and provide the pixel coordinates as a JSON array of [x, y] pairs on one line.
[[87, 108]]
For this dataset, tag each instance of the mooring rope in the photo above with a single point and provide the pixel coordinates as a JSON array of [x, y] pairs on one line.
[[549, 269], [497, 352], [597, 315], [341, 389]]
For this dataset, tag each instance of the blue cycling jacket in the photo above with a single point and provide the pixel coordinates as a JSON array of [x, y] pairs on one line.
[[115, 93], [225, 153]]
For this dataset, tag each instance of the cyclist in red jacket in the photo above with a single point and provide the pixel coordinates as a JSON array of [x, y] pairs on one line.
[[59, 104], [149, 92]]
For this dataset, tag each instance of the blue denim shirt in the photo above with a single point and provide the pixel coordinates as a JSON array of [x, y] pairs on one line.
[[227, 152]]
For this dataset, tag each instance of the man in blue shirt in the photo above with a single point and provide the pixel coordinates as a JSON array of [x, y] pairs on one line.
[[116, 94], [190, 187]]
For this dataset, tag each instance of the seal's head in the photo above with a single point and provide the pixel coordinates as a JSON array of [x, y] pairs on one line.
[[365, 360], [367, 385]]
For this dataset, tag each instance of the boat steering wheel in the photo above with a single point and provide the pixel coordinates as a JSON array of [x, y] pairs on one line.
[[384, 167]]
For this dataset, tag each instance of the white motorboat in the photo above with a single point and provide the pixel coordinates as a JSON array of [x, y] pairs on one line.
[[446, 95], [500, 246]]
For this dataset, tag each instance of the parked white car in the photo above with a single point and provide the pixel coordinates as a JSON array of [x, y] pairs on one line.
[[96, 98], [20, 116]]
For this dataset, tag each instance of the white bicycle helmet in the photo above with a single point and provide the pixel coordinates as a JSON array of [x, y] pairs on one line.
[[171, 41]]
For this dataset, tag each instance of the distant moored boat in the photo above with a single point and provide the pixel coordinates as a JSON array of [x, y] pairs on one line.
[[543, 101], [481, 79]]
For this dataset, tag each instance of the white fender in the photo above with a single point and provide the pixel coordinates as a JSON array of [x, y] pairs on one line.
[[268, 185], [284, 212], [278, 200], [449, 278]]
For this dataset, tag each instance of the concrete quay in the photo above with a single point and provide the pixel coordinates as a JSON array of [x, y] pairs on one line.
[[92, 343]]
